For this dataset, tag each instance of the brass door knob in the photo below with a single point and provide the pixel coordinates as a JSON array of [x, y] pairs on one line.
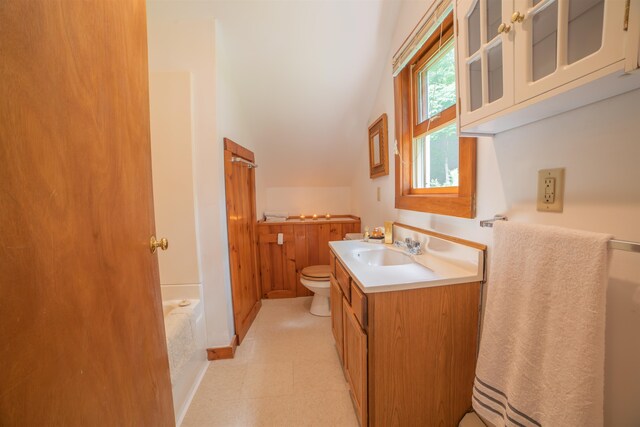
[[504, 28], [517, 17], [155, 244]]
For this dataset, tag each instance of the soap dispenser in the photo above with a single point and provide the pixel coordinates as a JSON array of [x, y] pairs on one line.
[[388, 232]]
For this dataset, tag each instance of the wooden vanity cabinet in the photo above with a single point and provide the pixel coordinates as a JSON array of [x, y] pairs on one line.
[[408, 356]]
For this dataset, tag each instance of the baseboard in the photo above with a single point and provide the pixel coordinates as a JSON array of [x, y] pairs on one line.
[[228, 352]]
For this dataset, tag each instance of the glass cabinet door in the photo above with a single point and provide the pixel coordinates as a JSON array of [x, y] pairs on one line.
[[558, 41], [485, 58]]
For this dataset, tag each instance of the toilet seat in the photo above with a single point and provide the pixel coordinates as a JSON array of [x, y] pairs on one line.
[[316, 273]]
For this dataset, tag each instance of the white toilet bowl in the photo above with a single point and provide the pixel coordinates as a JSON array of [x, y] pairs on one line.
[[316, 279]]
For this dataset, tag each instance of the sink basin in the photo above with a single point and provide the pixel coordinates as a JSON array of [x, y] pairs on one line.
[[382, 257]]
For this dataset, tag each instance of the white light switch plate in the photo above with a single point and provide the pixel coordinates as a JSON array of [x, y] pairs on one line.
[[550, 190]]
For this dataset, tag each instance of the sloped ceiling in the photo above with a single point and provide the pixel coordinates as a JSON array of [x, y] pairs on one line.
[[305, 73]]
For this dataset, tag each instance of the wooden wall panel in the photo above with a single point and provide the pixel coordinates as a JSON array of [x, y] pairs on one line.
[[305, 243], [323, 244], [302, 258], [277, 262]]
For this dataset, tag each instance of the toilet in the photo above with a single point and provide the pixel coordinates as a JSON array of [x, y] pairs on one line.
[[316, 279]]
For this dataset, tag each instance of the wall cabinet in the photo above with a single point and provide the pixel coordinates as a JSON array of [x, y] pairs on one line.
[[514, 55], [408, 356], [304, 243]]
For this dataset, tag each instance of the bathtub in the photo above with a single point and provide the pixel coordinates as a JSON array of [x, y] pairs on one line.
[[185, 335]]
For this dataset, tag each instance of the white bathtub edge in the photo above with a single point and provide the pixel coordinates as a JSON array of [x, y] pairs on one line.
[[180, 413]]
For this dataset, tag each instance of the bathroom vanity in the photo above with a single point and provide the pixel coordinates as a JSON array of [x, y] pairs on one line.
[[406, 326]]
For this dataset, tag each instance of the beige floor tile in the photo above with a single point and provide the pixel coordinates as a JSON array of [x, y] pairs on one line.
[[268, 380], [324, 409], [312, 376], [222, 381], [269, 411], [285, 373], [206, 412]]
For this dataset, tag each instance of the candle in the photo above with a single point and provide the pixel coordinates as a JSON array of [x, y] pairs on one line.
[[327, 216], [315, 216], [302, 217]]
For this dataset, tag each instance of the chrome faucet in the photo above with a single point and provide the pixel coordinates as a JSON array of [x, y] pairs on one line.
[[411, 246]]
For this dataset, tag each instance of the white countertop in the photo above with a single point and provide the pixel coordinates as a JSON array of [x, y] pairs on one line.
[[435, 267]]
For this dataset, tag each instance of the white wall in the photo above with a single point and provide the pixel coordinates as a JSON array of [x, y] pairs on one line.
[[173, 177], [308, 200], [190, 45], [598, 146]]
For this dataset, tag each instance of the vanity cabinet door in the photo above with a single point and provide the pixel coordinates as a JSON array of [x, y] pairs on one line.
[[355, 361], [336, 317]]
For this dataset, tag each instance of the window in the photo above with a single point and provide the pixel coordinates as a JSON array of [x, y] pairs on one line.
[[435, 168]]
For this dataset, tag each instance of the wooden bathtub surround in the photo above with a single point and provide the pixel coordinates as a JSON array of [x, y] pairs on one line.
[[240, 195], [305, 243], [412, 351], [82, 328], [219, 353]]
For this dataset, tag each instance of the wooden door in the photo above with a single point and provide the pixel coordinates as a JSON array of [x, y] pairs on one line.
[[82, 329], [239, 182], [336, 317], [355, 361]]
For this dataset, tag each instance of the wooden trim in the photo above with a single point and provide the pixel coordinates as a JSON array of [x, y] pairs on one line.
[[460, 203], [469, 243], [379, 127], [447, 114], [295, 219], [238, 150], [446, 117], [435, 190], [219, 353]]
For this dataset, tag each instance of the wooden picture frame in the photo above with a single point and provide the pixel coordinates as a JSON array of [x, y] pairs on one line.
[[378, 148]]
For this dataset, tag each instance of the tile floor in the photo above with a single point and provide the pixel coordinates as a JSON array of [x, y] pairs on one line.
[[285, 373]]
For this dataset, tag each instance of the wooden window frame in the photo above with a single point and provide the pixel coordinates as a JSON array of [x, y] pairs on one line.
[[454, 201]]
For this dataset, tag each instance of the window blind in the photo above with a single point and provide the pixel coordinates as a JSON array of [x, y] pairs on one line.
[[427, 25]]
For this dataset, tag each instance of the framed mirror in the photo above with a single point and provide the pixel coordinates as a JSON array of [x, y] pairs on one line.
[[378, 148]]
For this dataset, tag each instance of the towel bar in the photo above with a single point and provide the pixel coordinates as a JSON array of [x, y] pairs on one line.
[[622, 245]]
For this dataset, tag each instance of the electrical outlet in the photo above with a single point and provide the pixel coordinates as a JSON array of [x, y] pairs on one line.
[[550, 190], [378, 193]]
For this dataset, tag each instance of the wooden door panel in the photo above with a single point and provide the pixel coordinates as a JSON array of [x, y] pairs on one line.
[[82, 327], [241, 214], [302, 259], [336, 317], [355, 361]]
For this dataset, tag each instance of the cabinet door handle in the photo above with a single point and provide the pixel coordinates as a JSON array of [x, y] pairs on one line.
[[517, 17], [504, 28]]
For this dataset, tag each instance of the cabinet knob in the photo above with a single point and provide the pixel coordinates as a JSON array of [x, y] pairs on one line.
[[504, 28], [517, 17]]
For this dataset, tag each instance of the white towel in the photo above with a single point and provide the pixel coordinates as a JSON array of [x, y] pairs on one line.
[[276, 214], [541, 360]]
